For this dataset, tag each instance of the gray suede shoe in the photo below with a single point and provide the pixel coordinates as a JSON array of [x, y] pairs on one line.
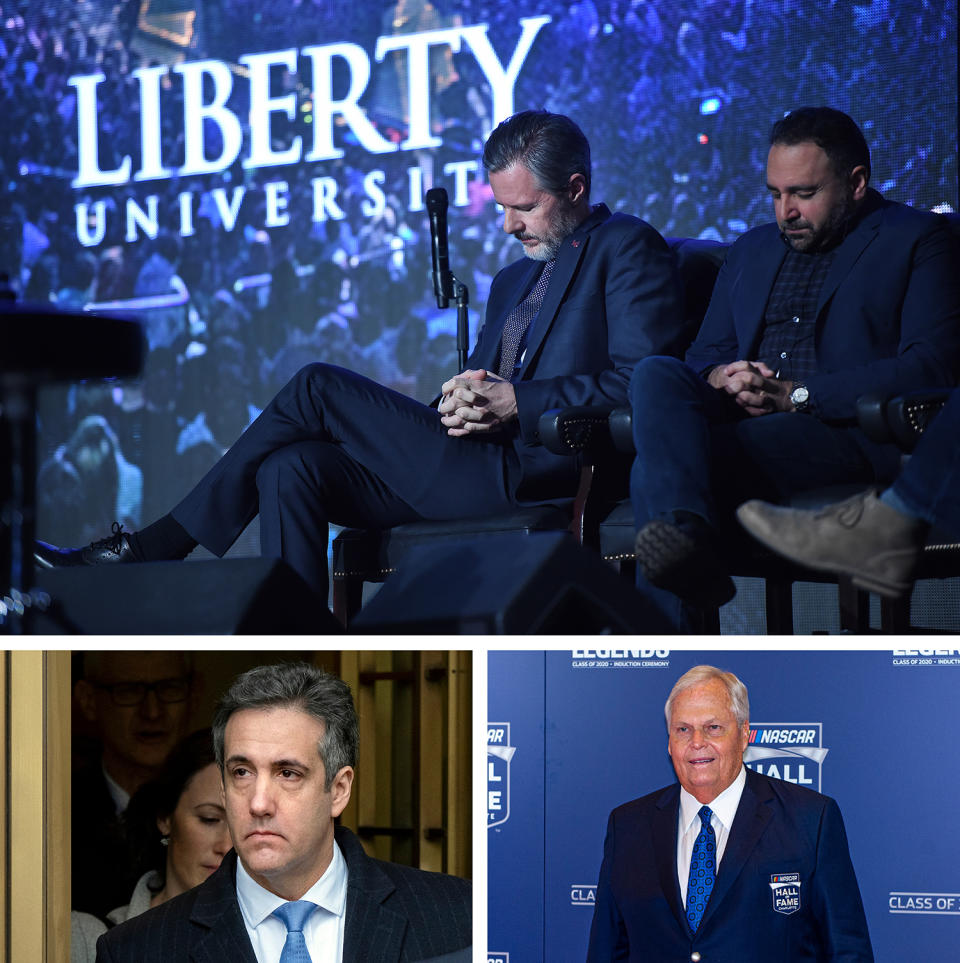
[[861, 537]]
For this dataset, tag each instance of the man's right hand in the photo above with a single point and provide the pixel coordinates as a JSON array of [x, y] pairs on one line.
[[476, 401], [753, 385]]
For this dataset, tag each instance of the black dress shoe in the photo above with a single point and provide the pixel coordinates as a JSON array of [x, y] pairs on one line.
[[106, 551], [673, 559]]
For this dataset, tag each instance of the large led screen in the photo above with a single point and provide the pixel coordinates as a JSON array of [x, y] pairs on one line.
[[247, 179]]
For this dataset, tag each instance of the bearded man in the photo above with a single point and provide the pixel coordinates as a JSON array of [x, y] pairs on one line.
[[564, 326], [847, 293]]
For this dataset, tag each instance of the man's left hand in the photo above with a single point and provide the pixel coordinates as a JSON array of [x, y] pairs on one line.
[[477, 401], [769, 396], [754, 386]]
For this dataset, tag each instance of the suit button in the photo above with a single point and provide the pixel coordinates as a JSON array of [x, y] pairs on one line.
[[694, 957]]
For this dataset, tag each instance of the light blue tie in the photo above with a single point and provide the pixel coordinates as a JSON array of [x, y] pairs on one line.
[[703, 869], [294, 915]]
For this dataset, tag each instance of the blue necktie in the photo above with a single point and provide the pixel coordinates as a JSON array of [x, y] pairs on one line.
[[294, 915], [703, 869], [520, 318]]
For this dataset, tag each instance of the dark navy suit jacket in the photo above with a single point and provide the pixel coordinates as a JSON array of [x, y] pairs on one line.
[[780, 829], [613, 299], [394, 914], [888, 317]]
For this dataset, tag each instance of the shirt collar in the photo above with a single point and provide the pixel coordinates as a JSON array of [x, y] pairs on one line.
[[119, 795], [724, 807], [329, 892]]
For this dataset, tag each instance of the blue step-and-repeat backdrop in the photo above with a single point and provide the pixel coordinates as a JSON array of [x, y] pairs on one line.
[[572, 734]]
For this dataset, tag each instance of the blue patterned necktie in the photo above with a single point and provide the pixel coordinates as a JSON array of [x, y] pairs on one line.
[[515, 327], [294, 916], [703, 869]]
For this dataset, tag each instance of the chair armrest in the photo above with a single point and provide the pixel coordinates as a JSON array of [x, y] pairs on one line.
[[621, 430], [901, 419], [570, 431]]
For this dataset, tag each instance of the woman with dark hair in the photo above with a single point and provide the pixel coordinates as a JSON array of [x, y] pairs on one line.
[[176, 827], [177, 832]]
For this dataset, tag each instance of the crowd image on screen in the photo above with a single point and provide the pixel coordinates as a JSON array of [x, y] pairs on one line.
[[675, 96]]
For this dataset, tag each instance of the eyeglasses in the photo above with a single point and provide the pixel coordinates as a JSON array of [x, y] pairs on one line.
[[133, 693]]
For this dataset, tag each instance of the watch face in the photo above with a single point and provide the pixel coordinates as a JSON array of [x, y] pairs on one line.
[[799, 395]]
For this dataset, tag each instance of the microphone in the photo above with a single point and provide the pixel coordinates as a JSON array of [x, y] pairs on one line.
[[437, 209]]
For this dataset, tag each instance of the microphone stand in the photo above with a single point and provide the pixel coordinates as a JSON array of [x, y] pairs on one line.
[[461, 295], [454, 289]]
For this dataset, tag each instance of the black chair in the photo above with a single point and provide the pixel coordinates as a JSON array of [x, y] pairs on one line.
[[371, 555], [608, 523], [899, 420], [605, 516], [902, 420]]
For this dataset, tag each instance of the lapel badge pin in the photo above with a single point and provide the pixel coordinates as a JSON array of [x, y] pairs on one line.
[[786, 892], [575, 243]]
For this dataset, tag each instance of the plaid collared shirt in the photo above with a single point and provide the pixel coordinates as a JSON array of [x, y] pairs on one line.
[[787, 344]]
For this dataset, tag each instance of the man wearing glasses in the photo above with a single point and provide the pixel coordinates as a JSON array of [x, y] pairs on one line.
[[137, 704]]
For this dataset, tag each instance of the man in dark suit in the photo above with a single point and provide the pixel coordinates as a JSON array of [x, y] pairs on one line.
[[285, 738], [846, 293], [138, 704], [596, 292], [728, 865]]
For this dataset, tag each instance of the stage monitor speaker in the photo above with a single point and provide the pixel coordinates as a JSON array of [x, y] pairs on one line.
[[510, 584], [236, 596]]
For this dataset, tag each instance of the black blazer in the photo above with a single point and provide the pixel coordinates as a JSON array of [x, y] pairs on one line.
[[102, 877], [780, 829], [395, 914]]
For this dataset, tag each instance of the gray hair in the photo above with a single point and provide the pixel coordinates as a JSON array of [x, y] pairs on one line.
[[739, 701], [296, 685], [551, 146]]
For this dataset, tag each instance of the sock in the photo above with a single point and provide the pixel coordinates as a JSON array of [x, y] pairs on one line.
[[693, 524], [164, 540], [891, 498]]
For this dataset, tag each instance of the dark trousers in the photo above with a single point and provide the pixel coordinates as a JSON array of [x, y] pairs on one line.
[[930, 483], [334, 446], [699, 452]]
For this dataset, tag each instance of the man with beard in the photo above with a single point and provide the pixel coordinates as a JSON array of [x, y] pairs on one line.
[[564, 326], [845, 294]]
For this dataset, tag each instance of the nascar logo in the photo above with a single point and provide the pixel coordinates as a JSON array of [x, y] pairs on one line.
[[786, 893], [792, 751], [499, 754]]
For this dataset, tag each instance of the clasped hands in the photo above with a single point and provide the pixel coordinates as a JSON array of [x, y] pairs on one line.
[[754, 386], [476, 401]]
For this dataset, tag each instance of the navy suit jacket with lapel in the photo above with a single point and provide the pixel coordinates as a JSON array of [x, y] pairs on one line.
[[779, 828], [613, 299], [394, 914], [888, 317]]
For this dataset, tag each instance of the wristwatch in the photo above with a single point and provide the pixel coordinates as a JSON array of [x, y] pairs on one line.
[[800, 397]]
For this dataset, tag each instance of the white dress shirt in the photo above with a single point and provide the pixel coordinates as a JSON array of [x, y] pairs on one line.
[[323, 930], [724, 808], [119, 795]]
